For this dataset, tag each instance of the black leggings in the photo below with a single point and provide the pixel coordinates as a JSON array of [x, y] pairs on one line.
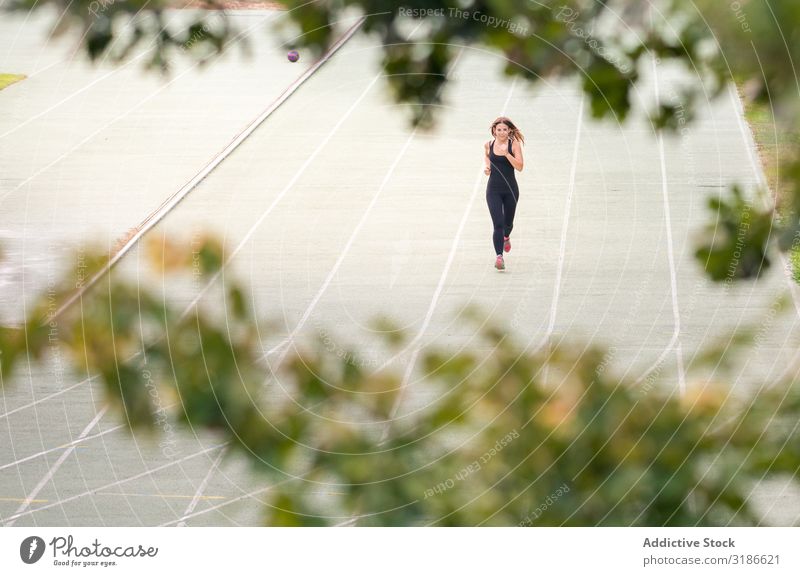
[[502, 206]]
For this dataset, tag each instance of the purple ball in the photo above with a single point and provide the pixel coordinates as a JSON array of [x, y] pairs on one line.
[[293, 56]]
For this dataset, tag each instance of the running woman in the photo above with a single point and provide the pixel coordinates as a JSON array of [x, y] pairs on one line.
[[503, 155]]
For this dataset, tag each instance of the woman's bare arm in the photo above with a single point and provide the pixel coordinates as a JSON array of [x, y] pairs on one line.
[[487, 162], [517, 161]]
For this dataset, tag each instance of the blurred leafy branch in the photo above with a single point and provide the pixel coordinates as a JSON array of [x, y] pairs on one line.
[[518, 437]]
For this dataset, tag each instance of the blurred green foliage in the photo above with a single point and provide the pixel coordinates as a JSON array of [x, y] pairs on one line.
[[515, 437], [533, 438], [739, 239], [9, 79]]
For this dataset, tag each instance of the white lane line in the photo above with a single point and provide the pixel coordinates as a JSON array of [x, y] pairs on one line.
[[45, 69], [112, 484], [676, 315], [53, 469], [151, 220], [202, 488], [436, 294], [220, 157], [44, 399], [343, 254], [159, 496], [674, 343], [747, 137], [244, 497]]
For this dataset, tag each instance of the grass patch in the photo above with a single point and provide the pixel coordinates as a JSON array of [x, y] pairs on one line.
[[794, 258], [776, 145], [9, 79]]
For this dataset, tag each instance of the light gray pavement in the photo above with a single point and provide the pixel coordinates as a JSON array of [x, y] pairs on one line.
[[335, 212]]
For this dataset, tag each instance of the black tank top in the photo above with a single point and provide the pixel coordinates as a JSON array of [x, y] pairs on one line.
[[501, 176]]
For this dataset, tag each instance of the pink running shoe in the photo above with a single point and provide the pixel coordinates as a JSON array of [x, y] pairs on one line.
[[506, 244], [499, 264]]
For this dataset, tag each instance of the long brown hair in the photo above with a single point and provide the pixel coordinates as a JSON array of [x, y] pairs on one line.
[[513, 132]]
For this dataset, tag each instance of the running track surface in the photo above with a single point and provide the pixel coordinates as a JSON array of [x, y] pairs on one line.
[[337, 212]]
